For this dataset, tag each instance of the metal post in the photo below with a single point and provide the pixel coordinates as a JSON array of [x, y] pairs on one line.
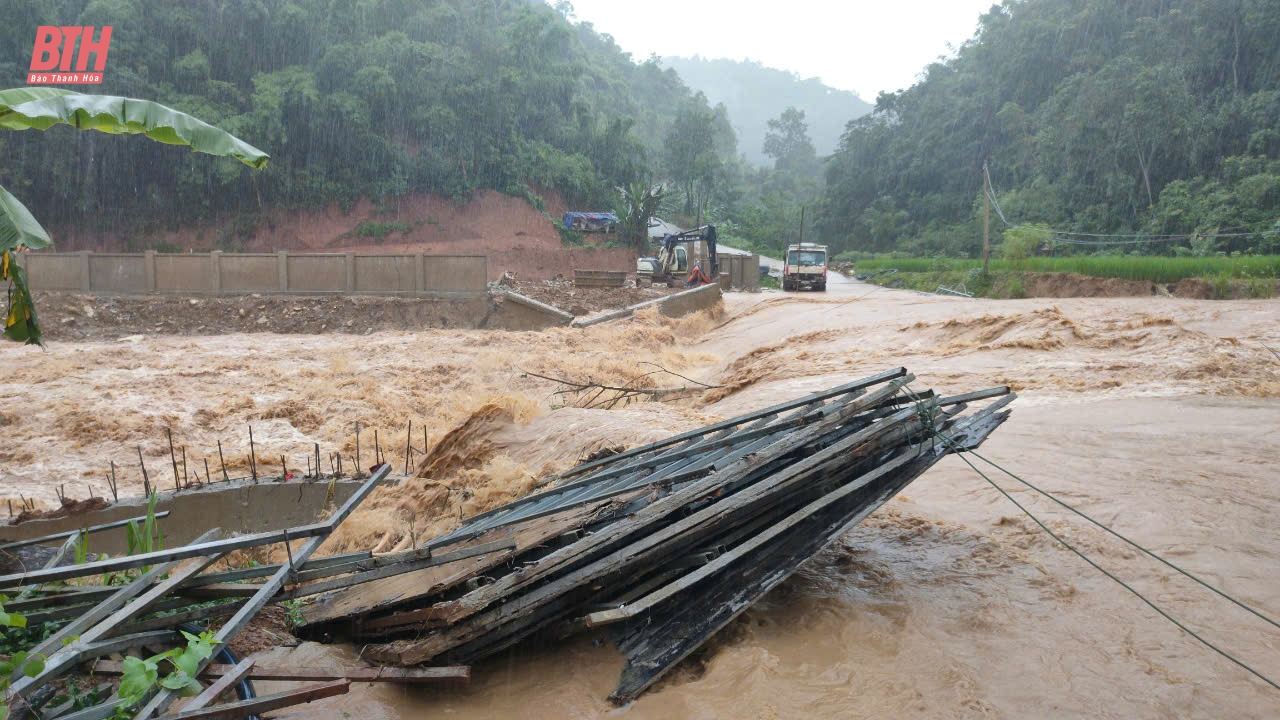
[[986, 217]]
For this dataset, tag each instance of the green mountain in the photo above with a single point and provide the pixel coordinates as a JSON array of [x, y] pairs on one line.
[[351, 99], [1120, 117], [755, 94]]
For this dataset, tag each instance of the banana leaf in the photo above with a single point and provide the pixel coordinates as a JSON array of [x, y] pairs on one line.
[[21, 324], [17, 226], [42, 108], [17, 96]]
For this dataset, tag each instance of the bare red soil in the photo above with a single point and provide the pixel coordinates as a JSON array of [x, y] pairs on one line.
[[507, 230]]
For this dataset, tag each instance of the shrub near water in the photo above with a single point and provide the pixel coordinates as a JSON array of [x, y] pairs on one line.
[[1148, 268]]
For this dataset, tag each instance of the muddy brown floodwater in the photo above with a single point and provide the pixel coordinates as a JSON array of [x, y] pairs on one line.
[[1158, 416]]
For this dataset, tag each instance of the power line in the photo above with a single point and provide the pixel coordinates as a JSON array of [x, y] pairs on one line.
[[1118, 581], [1133, 544], [959, 452], [1070, 237]]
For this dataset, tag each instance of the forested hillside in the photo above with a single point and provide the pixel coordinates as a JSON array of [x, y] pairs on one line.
[[351, 99], [755, 94], [1123, 116]]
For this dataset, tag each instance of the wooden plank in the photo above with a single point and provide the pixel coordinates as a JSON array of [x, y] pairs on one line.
[[735, 421], [778, 503], [185, 552], [405, 676], [79, 648], [113, 602], [246, 613], [262, 571], [391, 570], [389, 592], [91, 594], [670, 504], [176, 619], [216, 688], [266, 703], [656, 543], [658, 641], [648, 601], [74, 611]]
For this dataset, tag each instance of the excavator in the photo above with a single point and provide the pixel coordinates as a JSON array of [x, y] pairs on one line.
[[671, 266]]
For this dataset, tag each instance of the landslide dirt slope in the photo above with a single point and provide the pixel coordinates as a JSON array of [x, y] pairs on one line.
[[507, 230]]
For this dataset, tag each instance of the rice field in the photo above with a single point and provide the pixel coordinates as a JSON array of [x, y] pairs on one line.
[[1150, 268]]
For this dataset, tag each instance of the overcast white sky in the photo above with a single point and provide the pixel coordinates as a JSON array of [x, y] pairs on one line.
[[860, 45]]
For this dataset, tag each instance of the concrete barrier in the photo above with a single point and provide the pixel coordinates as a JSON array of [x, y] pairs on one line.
[[512, 311], [237, 508], [740, 272], [218, 273], [681, 303]]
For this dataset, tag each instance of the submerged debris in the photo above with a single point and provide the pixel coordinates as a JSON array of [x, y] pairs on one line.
[[665, 543]]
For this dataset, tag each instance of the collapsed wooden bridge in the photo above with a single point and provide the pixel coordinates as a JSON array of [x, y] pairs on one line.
[[664, 543], [667, 542]]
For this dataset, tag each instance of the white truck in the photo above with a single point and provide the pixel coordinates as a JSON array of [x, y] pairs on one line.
[[805, 266]]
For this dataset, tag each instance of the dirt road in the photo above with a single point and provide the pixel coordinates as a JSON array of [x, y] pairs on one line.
[[1155, 415]]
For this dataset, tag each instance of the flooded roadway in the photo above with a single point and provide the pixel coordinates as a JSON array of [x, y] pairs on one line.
[[1157, 416]]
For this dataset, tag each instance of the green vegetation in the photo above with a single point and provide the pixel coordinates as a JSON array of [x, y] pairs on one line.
[[637, 203], [14, 642], [142, 674], [293, 612], [1136, 116], [1155, 269], [145, 538], [378, 230], [355, 99]]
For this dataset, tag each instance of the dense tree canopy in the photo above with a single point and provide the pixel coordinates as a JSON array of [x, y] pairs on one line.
[[1099, 116], [351, 98], [1115, 116]]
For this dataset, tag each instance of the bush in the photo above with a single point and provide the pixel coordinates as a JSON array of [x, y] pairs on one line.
[[1021, 243], [379, 231]]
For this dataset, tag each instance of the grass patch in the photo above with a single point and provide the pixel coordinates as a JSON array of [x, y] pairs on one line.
[[769, 281], [377, 230], [992, 285]]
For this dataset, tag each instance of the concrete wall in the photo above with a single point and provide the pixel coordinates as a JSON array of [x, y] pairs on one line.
[[511, 311], [740, 271], [681, 303], [690, 301], [395, 273], [248, 273], [239, 508], [317, 273], [114, 270], [55, 272], [220, 273], [173, 273], [455, 273]]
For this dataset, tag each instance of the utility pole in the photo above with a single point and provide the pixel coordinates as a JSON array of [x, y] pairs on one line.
[[986, 217], [801, 224]]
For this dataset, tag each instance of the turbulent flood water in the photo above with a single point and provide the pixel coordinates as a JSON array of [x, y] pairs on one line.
[[1156, 416]]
